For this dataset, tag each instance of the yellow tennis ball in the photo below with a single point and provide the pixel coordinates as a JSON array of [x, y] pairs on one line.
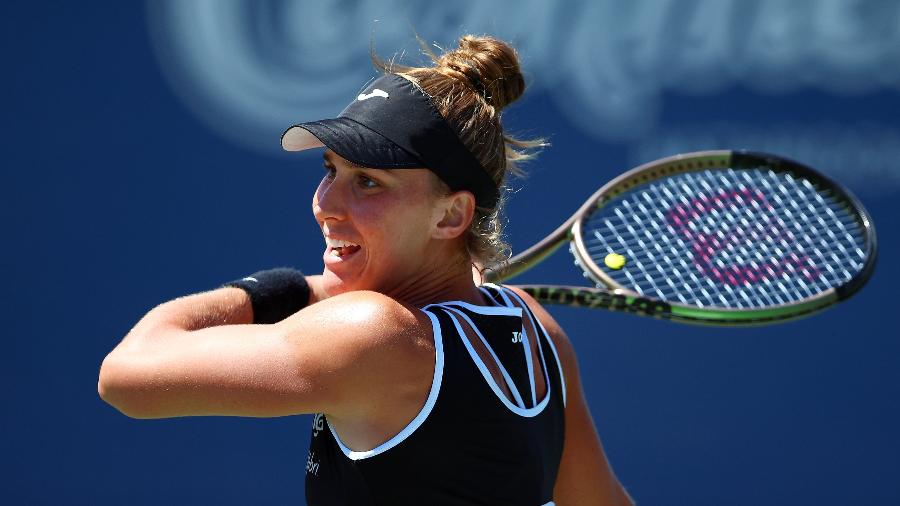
[[614, 261]]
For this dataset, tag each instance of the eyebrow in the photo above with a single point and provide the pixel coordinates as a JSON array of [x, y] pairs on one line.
[[328, 156]]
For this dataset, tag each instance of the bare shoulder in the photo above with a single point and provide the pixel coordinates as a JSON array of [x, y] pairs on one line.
[[364, 315], [371, 348], [363, 322]]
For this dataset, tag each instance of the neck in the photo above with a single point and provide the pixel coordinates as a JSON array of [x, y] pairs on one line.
[[434, 285]]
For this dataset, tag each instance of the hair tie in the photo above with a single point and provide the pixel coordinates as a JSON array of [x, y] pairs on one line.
[[476, 82], [473, 76]]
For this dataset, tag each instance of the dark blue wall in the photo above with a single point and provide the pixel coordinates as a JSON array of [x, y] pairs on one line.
[[116, 197]]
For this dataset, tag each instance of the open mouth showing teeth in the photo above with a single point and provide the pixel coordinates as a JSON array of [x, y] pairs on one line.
[[341, 248]]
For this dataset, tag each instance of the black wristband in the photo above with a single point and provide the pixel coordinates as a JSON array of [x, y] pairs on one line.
[[274, 294]]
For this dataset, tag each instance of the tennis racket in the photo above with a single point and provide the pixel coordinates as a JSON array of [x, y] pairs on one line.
[[712, 237]]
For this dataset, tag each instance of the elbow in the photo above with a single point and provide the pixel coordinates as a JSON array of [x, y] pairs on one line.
[[112, 388], [119, 388], [127, 380]]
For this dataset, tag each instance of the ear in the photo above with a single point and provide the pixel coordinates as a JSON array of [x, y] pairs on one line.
[[453, 215]]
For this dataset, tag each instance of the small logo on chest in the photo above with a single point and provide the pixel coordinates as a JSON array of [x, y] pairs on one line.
[[516, 337]]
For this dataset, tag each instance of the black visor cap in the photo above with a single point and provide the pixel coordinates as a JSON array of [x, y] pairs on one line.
[[393, 125]]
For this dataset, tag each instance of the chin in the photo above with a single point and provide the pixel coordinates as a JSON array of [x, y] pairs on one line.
[[335, 285]]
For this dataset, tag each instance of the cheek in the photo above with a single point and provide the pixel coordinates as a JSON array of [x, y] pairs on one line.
[[402, 230]]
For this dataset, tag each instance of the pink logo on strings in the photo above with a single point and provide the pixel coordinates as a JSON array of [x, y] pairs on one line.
[[705, 247]]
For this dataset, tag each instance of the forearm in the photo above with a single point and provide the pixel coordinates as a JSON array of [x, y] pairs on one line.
[[223, 306], [161, 329], [166, 334], [170, 320]]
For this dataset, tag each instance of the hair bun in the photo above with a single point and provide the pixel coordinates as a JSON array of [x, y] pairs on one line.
[[489, 66]]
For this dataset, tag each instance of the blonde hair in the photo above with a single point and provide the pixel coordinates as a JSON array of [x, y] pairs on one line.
[[470, 86]]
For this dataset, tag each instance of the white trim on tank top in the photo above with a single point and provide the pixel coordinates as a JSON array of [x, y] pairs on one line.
[[485, 310], [503, 372], [525, 335], [423, 413], [562, 377], [504, 294], [489, 378]]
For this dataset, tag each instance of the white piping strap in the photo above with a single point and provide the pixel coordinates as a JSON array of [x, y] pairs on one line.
[[488, 295], [526, 339], [490, 379], [503, 372], [485, 310], [562, 377]]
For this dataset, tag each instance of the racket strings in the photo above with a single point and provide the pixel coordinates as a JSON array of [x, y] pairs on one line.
[[732, 238]]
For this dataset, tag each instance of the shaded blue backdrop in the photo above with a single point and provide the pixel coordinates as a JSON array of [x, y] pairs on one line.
[[119, 193]]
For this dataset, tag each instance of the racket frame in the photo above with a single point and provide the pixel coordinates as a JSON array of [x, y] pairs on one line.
[[608, 294]]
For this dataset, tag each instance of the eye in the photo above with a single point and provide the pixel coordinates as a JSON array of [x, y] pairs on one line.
[[330, 172], [367, 183]]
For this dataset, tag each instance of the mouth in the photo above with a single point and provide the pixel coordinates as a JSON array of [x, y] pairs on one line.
[[340, 249]]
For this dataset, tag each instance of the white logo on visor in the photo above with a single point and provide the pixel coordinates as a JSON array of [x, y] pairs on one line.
[[374, 93]]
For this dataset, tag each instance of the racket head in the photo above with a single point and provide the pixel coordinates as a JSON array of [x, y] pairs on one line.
[[725, 237]]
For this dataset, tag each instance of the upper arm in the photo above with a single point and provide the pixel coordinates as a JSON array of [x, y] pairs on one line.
[[333, 357], [585, 476]]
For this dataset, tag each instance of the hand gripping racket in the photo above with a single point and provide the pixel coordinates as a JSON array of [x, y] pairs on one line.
[[712, 237]]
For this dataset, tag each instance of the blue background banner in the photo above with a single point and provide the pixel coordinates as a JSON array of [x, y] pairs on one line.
[[142, 163]]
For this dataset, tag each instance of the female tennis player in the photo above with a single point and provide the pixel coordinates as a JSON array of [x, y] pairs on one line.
[[429, 387]]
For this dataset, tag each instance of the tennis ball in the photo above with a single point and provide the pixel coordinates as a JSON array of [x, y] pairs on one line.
[[614, 261]]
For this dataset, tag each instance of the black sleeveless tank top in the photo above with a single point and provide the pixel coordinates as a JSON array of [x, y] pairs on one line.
[[470, 444]]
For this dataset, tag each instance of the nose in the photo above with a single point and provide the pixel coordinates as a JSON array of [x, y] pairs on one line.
[[329, 201]]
